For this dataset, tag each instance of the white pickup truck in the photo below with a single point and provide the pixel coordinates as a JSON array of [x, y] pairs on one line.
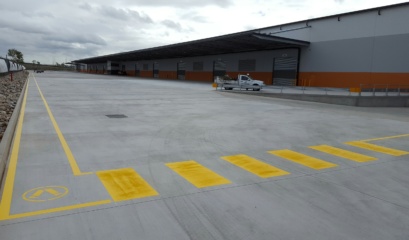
[[242, 82]]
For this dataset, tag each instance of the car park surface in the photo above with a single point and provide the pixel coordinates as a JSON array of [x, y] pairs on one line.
[[108, 157]]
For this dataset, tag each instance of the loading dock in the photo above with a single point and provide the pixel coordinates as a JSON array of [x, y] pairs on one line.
[[334, 51], [219, 68], [137, 70], [204, 59], [156, 70], [181, 70], [285, 71]]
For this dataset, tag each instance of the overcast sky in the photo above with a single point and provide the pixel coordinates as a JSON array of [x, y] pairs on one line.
[[53, 31]]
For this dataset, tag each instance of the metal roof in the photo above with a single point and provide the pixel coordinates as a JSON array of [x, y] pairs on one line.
[[232, 43]]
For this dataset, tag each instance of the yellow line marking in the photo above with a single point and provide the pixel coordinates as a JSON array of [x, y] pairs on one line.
[[302, 159], [255, 166], [52, 210], [11, 172], [197, 174], [383, 138], [377, 148], [125, 184], [343, 153], [73, 163]]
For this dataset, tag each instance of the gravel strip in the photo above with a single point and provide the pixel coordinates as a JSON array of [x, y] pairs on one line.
[[9, 93]]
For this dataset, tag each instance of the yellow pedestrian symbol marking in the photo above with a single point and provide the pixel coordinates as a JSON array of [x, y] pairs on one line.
[[42, 194]]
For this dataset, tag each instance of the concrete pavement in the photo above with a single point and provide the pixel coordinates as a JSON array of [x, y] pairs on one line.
[[105, 157]]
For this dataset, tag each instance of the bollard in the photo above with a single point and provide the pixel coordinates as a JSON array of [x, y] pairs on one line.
[[11, 76]]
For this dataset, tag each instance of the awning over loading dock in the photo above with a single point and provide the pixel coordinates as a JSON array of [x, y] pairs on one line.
[[232, 43]]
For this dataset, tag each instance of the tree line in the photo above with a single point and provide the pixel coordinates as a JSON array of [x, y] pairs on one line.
[[18, 57]]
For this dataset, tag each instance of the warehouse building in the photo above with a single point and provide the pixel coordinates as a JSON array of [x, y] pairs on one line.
[[345, 50]]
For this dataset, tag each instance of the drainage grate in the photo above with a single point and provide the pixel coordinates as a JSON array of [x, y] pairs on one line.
[[116, 116]]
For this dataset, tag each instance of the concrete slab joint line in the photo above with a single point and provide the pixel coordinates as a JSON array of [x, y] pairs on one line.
[[116, 116]]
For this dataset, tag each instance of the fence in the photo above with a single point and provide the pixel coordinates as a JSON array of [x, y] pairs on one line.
[[383, 90], [7, 66], [365, 90]]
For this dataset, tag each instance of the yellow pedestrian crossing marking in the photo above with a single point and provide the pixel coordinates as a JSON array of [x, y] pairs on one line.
[[197, 174], [302, 159], [255, 166], [343, 153], [125, 184], [377, 148]]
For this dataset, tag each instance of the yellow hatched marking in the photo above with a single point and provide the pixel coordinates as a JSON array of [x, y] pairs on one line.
[[377, 148], [343, 153], [125, 184], [302, 159], [73, 163], [255, 166], [197, 174]]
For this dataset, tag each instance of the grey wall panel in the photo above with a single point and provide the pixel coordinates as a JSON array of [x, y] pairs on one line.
[[129, 66], [337, 56], [391, 54], [371, 54], [354, 26], [392, 21], [168, 64]]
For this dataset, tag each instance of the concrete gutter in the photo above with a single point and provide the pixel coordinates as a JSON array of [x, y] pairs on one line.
[[5, 144], [367, 101]]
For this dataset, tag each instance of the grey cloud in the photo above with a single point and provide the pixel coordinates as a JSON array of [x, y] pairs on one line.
[[293, 3], [85, 6], [25, 27], [173, 25], [76, 38], [124, 14], [45, 30], [261, 13], [194, 16], [179, 3], [38, 14]]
